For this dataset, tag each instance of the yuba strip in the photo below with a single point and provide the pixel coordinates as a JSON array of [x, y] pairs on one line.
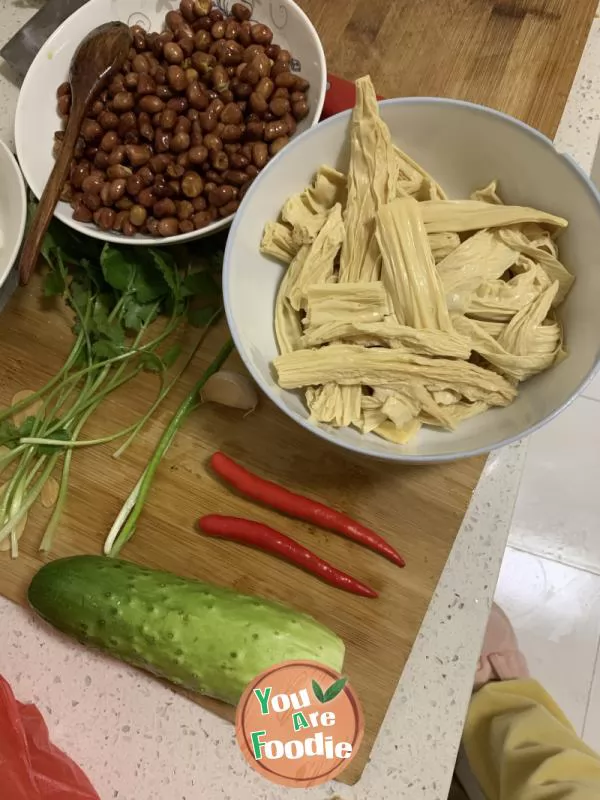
[[295, 505], [255, 534]]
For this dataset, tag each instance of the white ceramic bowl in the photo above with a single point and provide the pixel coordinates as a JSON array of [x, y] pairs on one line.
[[37, 118], [463, 146], [13, 212]]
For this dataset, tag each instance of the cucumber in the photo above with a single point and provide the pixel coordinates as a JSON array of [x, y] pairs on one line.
[[205, 638]]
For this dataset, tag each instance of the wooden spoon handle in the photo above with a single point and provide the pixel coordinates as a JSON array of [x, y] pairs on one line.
[[50, 196]]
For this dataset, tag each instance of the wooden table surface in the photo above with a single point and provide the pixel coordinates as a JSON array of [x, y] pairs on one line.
[[518, 56]]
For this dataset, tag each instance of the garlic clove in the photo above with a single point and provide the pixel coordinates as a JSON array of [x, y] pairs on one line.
[[49, 493], [29, 411], [230, 389]]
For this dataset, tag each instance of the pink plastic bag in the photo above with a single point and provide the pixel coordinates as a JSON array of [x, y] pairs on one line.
[[31, 767]]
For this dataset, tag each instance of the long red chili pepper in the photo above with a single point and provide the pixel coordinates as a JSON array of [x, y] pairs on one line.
[[246, 531], [295, 505]]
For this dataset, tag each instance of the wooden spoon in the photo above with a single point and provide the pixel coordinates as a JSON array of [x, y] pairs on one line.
[[97, 58]]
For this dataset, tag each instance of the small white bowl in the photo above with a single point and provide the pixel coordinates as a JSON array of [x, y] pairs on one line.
[[37, 117], [464, 147], [13, 212]]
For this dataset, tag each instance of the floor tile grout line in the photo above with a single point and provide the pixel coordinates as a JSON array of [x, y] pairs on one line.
[[591, 689], [589, 396], [579, 568]]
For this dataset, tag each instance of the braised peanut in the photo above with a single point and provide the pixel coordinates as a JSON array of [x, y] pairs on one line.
[[64, 105], [100, 160], [138, 154], [220, 195], [192, 184], [109, 141], [232, 133], [300, 109], [175, 139], [255, 129], [235, 177], [261, 34], [265, 87], [104, 218], [117, 189], [229, 208], [238, 161], [260, 154], [81, 213], [198, 154], [168, 226], [91, 201], [180, 142], [118, 171], [241, 12], [258, 103], [91, 130], [280, 106], [275, 129], [219, 160], [137, 215]]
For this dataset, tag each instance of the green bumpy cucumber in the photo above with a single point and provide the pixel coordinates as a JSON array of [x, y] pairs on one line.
[[206, 638]]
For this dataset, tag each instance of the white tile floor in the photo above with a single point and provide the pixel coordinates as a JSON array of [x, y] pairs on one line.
[[550, 579]]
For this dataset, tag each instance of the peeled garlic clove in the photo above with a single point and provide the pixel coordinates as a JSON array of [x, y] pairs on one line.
[[230, 389], [29, 411], [49, 493]]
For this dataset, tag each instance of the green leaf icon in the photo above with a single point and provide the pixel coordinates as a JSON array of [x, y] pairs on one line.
[[335, 689], [318, 692], [331, 693]]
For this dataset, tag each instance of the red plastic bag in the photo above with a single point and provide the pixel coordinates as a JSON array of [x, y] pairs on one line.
[[31, 767]]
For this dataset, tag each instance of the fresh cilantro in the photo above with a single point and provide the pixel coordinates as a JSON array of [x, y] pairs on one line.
[[9, 434], [119, 267], [201, 284], [60, 435], [200, 317]]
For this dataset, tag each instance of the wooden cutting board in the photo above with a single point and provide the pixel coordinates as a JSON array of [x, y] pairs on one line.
[[519, 56]]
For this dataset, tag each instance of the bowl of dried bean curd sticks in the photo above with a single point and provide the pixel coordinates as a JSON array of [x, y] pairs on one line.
[[417, 279]]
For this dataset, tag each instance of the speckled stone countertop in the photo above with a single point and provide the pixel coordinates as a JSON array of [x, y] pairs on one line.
[[137, 740]]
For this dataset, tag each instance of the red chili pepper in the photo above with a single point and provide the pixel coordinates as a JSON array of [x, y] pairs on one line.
[[246, 531], [295, 505]]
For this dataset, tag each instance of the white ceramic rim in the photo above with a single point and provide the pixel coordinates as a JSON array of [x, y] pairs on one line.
[[323, 431], [88, 229], [23, 203]]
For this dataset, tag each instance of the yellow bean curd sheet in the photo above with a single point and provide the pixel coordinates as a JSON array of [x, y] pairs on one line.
[[401, 307]]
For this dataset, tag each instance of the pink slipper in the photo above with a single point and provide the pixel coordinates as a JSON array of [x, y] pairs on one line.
[[500, 659]]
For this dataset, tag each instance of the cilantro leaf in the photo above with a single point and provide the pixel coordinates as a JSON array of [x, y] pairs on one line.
[[26, 427], [168, 269], [149, 282], [201, 283], [104, 349], [200, 317], [9, 434], [54, 283], [170, 356], [60, 435], [138, 314], [119, 267], [151, 362]]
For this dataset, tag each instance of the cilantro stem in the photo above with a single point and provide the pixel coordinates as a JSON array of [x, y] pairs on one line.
[[32, 496], [138, 427], [27, 401], [46, 542], [163, 445]]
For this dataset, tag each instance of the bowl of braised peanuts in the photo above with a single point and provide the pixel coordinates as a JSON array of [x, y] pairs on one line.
[[210, 93]]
